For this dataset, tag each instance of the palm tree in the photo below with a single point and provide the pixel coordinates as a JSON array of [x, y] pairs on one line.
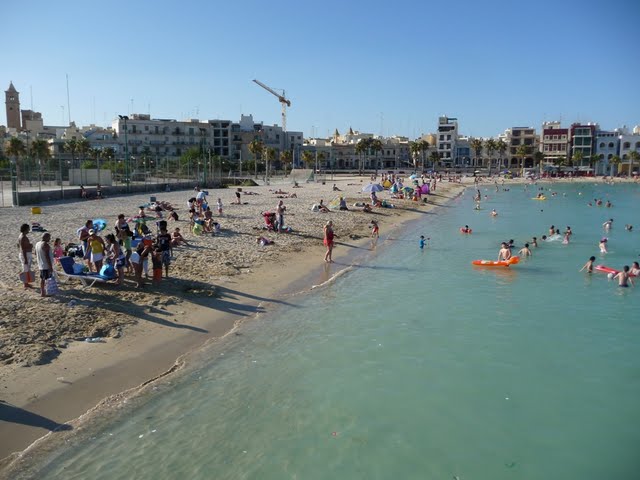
[[40, 151], [362, 149], [15, 148], [502, 147], [593, 159], [71, 146], [476, 145], [634, 156], [414, 149], [286, 158], [577, 157], [307, 158], [424, 146], [255, 147], [435, 158], [270, 156], [615, 161], [490, 147], [84, 147], [538, 157], [376, 147], [521, 152]]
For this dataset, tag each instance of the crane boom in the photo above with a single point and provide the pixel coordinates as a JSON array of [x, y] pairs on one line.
[[285, 102]]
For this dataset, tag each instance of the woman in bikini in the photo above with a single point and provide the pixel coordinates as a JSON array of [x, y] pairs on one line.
[[328, 240]]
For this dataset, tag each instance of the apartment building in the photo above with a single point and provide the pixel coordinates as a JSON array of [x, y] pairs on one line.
[[607, 145], [582, 139], [516, 137], [446, 140], [554, 142], [629, 143]]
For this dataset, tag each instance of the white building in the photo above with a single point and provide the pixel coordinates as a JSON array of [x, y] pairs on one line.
[[628, 144]]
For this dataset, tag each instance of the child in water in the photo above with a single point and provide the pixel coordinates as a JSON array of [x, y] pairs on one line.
[[422, 242]]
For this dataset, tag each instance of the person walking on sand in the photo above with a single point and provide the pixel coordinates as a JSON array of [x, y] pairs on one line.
[[624, 279], [505, 253], [328, 241], [44, 257], [589, 265], [25, 248]]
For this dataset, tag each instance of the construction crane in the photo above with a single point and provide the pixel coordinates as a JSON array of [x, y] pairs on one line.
[[284, 102]]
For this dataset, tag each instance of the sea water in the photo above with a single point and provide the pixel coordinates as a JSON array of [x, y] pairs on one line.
[[415, 364]]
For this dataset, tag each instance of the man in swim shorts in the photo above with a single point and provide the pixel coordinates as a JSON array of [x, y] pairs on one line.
[[504, 254], [623, 277]]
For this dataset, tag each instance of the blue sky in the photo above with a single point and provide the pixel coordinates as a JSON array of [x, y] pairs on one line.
[[383, 67]]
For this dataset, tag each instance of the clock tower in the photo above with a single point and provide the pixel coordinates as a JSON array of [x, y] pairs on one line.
[[12, 101]]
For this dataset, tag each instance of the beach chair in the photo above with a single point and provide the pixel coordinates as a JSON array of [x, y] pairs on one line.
[[87, 279]]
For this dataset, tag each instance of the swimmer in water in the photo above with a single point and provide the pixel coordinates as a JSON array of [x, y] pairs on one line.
[[524, 251], [635, 269], [534, 242], [603, 245], [608, 224], [504, 254], [494, 213], [623, 277], [589, 265]]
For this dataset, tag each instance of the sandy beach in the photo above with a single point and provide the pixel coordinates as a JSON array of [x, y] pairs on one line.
[[51, 375]]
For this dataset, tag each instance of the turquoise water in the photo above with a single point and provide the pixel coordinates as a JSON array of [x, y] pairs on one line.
[[415, 364]]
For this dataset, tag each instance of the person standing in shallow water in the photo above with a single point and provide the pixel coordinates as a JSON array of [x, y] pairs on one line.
[[589, 265], [329, 235]]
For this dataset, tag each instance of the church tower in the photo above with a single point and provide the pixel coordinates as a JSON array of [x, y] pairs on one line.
[[12, 101]]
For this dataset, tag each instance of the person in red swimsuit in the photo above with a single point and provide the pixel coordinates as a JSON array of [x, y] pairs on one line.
[[328, 240]]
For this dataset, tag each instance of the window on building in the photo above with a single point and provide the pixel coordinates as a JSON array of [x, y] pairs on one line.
[[610, 144], [601, 144], [146, 128], [637, 145], [626, 145], [448, 137], [191, 131], [610, 156]]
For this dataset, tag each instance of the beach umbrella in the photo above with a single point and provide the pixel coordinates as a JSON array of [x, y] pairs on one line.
[[424, 189], [413, 177], [407, 189], [373, 187]]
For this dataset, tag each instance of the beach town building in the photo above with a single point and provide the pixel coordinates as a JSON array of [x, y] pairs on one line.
[[582, 138], [629, 143], [554, 142], [607, 146], [447, 138], [516, 137], [12, 104], [463, 156]]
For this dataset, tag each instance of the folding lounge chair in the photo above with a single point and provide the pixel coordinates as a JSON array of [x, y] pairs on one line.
[[87, 279]]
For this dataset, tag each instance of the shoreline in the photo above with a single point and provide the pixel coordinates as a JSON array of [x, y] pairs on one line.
[[85, 373]]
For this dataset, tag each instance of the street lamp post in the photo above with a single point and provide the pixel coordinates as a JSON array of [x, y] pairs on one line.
[[125, 118]]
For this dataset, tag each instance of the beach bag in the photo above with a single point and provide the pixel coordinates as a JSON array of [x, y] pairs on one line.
[[108, 271], [51, 286]]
